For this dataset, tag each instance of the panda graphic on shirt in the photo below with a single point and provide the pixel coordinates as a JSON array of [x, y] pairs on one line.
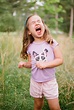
[[41, 56]]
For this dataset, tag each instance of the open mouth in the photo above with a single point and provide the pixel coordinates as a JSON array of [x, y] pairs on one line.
[[38, 29]]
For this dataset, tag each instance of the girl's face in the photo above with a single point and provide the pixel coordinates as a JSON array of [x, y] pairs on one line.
[[36, 26]]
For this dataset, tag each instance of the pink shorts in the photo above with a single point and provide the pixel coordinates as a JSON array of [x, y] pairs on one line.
[[48, 89]]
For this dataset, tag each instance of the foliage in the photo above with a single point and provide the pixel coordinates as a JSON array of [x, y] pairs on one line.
[[14, 82], [66, 4], [49, 10], [46, 9], [7, 23]]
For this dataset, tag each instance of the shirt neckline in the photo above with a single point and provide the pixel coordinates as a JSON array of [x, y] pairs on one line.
[[39, 43]]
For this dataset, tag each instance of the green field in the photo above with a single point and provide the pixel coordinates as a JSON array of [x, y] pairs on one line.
[[14, 82]]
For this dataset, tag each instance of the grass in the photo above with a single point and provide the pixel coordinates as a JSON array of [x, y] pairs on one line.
[[14, 82]]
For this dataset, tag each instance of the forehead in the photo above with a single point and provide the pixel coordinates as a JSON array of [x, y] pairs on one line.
[[34, 18]]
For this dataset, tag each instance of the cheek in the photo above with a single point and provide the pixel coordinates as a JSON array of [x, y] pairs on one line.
[[31, 29], [43, 28]]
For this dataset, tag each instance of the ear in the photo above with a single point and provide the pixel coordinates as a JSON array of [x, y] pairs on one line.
[[29, 33], [34, 53], [46, 50]]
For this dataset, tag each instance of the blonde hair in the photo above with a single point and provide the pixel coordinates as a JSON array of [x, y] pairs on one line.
[[28, 39]]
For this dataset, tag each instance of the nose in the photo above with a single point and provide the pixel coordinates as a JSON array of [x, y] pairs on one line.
[[36, 22]]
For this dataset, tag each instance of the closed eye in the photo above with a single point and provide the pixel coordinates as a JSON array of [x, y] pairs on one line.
[[37, 58], [38, 21], [42, 57], [42, 53]]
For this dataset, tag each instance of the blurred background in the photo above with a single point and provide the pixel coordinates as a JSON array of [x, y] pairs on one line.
[[57, 14], [14, 82]]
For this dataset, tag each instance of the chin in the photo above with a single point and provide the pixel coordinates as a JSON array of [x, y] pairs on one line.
[[40, 36]]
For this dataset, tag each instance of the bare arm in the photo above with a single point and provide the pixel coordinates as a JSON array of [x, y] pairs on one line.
[[25, 64], [58, 60]]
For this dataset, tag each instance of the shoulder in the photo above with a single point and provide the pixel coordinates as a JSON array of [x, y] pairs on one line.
[[30, 47], [55, 43]]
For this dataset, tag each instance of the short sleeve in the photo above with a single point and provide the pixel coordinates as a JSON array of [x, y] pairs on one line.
[[55, 43], [28, 50]]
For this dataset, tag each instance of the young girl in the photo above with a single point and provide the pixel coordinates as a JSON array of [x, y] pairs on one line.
[[43, 56]]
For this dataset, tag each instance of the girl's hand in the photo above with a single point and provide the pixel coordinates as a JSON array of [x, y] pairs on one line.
[[41, 64], [21, 64]]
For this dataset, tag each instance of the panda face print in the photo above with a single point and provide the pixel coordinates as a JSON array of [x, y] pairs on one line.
[[40, 57]]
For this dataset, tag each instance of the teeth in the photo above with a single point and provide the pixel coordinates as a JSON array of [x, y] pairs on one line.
[[38, 29]]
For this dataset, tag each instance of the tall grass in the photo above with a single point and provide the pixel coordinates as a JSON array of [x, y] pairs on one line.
[[14, 82], [65, 73]]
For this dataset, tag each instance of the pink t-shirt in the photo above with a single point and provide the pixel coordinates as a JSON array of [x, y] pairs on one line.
[[42, 52]]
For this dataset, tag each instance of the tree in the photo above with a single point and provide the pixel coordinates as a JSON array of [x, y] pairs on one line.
[[67, 16], [8, 22], [71, 21], [50, 13]]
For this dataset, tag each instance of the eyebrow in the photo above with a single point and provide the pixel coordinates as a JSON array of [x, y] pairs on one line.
[[36, 20]]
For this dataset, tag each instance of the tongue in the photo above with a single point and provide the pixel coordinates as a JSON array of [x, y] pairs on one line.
[[38, 31]]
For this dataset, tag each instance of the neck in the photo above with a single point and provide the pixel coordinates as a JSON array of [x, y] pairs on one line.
[[38, 39]]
